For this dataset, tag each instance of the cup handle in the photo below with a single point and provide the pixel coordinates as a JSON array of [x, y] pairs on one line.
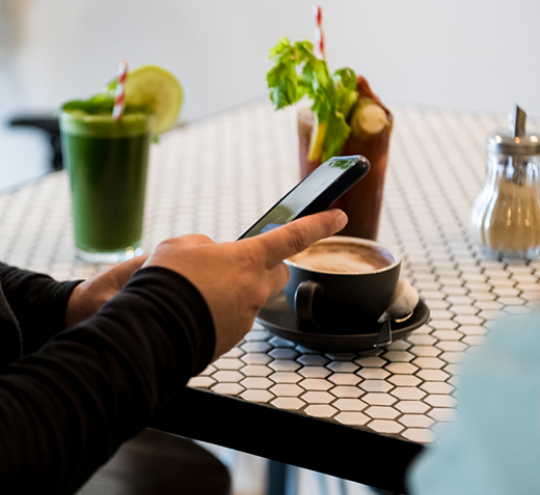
[[303, 303]]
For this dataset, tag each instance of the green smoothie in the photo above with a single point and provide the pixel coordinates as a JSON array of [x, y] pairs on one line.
[[107, 162]]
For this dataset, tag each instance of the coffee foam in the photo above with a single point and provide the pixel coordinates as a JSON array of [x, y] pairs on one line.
[[342, 257]]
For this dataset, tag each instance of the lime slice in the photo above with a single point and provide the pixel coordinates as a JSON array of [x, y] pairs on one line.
[[156, 88]]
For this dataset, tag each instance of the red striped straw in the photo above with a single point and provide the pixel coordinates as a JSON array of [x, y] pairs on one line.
[[319, 34], [120, 94]]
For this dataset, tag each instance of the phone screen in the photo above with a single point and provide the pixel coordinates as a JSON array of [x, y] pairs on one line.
[[296, 201]]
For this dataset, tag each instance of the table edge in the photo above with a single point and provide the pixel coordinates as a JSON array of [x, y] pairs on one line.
[[377, 460]]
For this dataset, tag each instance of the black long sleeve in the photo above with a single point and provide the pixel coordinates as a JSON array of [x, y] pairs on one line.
[[38, 304], [66, 408]]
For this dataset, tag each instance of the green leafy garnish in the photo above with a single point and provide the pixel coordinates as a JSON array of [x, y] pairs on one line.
[[297, 72], [103, 102]]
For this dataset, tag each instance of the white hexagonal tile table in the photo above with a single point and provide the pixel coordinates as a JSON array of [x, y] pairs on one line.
[[217, 175]]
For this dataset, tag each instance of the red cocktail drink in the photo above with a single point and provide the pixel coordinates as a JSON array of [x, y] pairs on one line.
[[363, 202]]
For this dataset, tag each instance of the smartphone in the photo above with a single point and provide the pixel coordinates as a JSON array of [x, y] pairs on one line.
[[315, 193]]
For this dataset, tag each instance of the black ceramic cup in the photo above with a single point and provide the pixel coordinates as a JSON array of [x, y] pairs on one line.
[[338, 294]]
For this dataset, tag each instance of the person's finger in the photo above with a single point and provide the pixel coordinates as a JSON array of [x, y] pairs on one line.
[[133, 264], [122, 272], [288, 240], [278, 276]]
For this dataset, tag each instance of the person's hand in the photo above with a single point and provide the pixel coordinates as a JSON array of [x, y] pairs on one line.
[[88, 297], [237, 278]]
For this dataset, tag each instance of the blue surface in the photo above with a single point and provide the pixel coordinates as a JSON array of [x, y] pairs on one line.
[[493, 446]]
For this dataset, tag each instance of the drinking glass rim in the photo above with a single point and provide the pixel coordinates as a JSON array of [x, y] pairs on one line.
[[79, 122]]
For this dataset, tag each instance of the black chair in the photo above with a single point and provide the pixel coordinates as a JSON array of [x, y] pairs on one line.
[[157, 463], [48, 124]]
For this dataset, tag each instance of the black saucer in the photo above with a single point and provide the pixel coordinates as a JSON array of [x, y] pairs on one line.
[[278, 318]]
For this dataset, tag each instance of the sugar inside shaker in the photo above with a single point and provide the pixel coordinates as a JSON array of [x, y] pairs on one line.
[[505, 219]]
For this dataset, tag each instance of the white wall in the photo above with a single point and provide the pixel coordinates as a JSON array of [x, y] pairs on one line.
[[460, 53]]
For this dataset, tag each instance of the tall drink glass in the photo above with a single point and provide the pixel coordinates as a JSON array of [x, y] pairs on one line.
[[107, 161], [363, 201]]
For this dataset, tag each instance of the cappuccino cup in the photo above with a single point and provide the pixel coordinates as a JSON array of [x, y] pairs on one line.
[[341, 285]]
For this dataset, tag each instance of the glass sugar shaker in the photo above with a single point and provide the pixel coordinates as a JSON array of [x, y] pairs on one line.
[[505, 219]]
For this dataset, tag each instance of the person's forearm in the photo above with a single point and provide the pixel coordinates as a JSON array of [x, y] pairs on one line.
[[38, 303], [65, 409]]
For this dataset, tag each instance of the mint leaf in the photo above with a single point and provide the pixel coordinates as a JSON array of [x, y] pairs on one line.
[[297, 72]]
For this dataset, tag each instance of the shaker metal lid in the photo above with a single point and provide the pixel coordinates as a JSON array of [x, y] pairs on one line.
[[515, 140], [504, 142]]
